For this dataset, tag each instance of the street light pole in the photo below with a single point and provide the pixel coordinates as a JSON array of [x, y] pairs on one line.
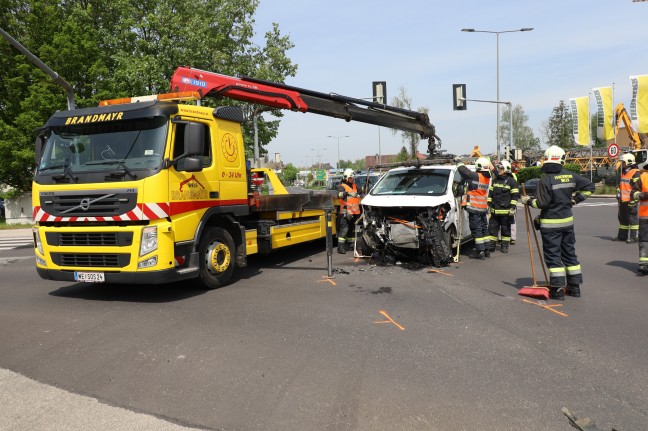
[[337, 164], [319, 164], [497, 33]]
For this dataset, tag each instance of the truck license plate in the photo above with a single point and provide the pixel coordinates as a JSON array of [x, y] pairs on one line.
[[89, 277]]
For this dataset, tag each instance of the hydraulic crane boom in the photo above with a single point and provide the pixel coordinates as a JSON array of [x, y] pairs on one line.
[[283, 96]]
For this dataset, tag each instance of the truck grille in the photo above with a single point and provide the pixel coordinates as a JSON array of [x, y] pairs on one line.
[[108, 260], [89, 203], [89, 239]]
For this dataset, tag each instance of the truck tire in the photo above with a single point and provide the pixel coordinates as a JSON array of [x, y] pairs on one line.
[[217, 258], [451, 239]]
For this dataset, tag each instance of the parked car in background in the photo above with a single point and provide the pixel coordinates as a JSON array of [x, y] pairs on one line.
[[530, 186], [365, 182]]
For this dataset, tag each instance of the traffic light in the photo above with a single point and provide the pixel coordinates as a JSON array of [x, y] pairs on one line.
[[459, 97]]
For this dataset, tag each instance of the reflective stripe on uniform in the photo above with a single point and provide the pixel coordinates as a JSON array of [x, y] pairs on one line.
[[573, 270], [556, 223]]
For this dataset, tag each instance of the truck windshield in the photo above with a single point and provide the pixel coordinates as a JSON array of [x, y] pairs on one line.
[[428, 182], [124, 148]]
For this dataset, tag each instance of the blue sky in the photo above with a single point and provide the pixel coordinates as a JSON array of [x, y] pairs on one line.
[[342, 46]]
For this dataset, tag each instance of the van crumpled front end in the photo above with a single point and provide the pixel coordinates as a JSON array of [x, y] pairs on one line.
[[407, 232]]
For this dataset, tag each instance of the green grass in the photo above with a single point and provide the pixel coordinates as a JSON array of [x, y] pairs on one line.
[[5, 226]]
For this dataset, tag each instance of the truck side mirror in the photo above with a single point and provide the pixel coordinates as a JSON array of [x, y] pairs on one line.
[[192, 164], [194, 138], [38, 147]]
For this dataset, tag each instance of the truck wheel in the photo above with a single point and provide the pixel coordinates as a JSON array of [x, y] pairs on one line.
[[217, 253]]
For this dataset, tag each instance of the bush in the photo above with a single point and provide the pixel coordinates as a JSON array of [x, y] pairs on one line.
[[525, 174]]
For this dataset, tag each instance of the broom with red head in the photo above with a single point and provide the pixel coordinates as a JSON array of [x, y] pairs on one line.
[[535, 291]]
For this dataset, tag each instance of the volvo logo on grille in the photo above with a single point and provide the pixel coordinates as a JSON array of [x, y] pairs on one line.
[[84, 204]]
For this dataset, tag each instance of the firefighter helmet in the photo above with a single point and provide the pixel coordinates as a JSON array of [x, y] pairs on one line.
[[628, 158], [482, 164], [348, 173], [506, 165], [555, 154]]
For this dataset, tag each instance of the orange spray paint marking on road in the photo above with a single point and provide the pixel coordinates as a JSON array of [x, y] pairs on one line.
[[438, 271], [389, 320], [326, 278], [548, 307]]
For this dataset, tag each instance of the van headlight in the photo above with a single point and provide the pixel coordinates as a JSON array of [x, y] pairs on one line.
[[149, 241]]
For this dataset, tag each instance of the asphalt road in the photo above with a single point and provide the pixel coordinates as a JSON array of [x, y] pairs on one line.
[[375, 348]]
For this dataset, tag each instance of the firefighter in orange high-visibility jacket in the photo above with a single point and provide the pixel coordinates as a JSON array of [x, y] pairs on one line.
[[628, 222], [558, 191], [349, 211], [475, 202], [640, 193]]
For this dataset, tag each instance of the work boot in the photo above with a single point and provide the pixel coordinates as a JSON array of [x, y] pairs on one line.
[[643, 268], [557, 293], [573, 290], [342, 247], [504, 249], [487, 253], [616, 238], [631, 240], [481, 255], [512, 241]]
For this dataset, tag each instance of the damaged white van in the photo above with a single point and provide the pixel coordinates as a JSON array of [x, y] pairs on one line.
[[413, 213]]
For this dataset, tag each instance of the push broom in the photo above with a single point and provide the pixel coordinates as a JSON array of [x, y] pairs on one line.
[[535, 291]]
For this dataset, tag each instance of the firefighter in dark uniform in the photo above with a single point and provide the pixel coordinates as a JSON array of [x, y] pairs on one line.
[[349, 210], [475, 202], [628, 221], [640, 193], [559, 190], [502, 202]]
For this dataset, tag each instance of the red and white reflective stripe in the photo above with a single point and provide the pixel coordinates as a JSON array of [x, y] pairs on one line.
[[152, 211], [179, 260]]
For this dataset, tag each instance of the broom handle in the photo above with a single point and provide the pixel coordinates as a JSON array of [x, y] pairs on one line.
[[542, 263], [528, 229], [535, 236]]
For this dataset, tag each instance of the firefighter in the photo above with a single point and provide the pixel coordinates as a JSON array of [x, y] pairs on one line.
[[349, 210], [628, 221], [502, 203], [559, 190], [475, 202], [640, 193]]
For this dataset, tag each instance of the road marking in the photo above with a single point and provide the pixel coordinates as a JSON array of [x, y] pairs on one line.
[[548, 307], [389, 320], [440, 272], [11, 243], [326, 278]]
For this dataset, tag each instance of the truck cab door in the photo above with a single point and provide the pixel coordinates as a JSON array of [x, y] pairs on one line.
[[192, 178]]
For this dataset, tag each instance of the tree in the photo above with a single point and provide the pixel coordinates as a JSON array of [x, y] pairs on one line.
[[402, 155], [523, 137], [559, 127], [412, 139], [289, 173], [598, 142], [117, 48]]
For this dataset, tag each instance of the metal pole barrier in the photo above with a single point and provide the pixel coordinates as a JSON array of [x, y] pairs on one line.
[[329, 240]]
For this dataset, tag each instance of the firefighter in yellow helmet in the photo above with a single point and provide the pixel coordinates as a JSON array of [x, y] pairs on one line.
[[502, 203], [558, 191], [475, 202], [349, 210], [627, 215]]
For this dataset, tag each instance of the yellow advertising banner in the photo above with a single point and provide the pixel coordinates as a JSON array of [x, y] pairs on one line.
[[639, 103], [604, 113], [580, 120]]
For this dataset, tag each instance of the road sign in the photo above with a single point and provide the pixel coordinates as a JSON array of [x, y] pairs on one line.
[[320, 174], [613, 150]]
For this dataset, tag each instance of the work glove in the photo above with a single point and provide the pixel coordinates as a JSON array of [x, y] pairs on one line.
[[524, 200], [512, 212], [353, 195], [573, 202], [642, 196], [458, 160], [632, 204], [342, 195], [618, 194]]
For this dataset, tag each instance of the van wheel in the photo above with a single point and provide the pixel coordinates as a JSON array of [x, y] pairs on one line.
[[452, 240], [217, 253]]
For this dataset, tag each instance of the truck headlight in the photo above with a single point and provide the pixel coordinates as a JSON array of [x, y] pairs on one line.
[[149, 241], [37, 241]]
